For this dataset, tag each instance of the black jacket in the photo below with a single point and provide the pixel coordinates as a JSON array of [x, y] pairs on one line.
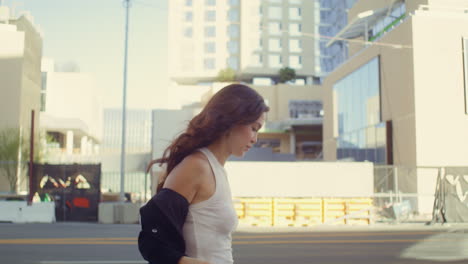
[[162, 218]]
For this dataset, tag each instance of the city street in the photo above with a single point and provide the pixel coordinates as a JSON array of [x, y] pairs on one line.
[[97, 243]]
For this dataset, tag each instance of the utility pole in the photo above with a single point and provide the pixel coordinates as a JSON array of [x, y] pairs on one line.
[[124, 106]]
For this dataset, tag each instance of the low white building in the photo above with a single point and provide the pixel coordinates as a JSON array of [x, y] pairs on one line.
[[20, 81], [71, 115]]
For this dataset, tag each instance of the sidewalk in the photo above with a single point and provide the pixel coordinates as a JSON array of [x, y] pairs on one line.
[[354, 228]]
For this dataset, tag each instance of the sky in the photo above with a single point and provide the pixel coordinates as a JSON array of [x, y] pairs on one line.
[[91, 33]]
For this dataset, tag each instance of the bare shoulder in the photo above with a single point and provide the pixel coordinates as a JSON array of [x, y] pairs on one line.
[[188, 175], [196, 161]]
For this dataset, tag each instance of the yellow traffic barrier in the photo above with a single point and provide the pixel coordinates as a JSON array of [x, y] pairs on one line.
[[334, 211], [303, 211], [309, 211], [240, 208], [258, 211], [284, 212], [358, 211], [297, 211]]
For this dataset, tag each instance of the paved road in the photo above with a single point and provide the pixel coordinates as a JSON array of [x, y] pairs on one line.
[[82, 243]]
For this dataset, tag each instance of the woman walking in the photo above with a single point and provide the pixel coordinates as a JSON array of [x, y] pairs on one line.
[[191, 218]]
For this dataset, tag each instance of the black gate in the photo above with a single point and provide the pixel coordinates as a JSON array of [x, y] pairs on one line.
[[75, 188]]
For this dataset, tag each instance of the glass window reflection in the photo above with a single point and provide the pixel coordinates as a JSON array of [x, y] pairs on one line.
[[361, 133]]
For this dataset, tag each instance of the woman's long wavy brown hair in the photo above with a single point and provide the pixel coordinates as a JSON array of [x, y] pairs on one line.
[[235, 104]]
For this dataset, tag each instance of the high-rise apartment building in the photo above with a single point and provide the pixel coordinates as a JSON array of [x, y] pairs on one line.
[[255, 38], [333, 18]]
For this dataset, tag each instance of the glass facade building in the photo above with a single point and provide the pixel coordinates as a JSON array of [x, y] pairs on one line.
[[360, 132], [333, 18], [387, 23]]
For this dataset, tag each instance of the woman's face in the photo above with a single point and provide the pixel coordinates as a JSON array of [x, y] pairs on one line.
[[242, 137]]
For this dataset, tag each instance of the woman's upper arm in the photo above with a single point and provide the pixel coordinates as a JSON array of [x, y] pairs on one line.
[[187, 177]]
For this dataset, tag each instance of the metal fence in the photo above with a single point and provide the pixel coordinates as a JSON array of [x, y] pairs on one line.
[[137, 184], [406, 194]]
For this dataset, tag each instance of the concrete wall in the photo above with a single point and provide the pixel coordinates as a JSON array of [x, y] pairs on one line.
[[447, 3], [31, 74], [167, 125], [133, 162], [439, 93], [11, 64], [20, 212], [397, 96], [300, 179]]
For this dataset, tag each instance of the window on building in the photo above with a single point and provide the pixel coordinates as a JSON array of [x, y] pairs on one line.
[[388, 22], [295, 29], [256, 60], [272, 143], [318, 68], [274, 12], [43, 91], [294, 13], [233, 31], [210, 15], [274, 28], [274, 44], [295, 45], [305, 109], [210, 47], [188, 16], [259, 42], [276, 1], [295, 2], [210, 31], [210, 2], [188, 32], [361, 133], [233, 47], [44, 81], [234, 2], [188, 2], [209, 64], [233, 15], [233, 63], [295, 62], [275, 61]]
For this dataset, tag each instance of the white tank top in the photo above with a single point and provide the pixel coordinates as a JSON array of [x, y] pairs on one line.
[[209, 224]]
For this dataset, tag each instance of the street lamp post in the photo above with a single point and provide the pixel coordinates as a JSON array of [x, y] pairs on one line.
[[124, 106]]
